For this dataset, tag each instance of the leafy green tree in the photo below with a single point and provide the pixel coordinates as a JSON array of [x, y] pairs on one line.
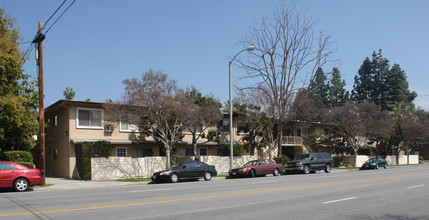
[[378, 83], [18, 99], [255, 125], [69, 93]]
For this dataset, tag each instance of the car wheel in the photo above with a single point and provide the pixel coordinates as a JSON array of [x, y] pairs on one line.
[[276, 172], [385, 166], [306, 169], [21, 185], [252, 173], [327, 168], [174, 178], [207, 176], [376, 167]]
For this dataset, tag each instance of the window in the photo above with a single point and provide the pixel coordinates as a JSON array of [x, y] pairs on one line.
[[7, 166], [301, 131], [130, 122], [186, 152], [143, 152], [89, 118], [203, 152], [56, 120], [121, 152], [287, 132], [225, 126]]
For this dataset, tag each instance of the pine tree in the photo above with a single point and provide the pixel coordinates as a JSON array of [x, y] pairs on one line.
[[337, 94], [319, 88], [378, 83]]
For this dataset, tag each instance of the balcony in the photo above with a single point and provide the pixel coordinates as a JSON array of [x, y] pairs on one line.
[[291, 140]]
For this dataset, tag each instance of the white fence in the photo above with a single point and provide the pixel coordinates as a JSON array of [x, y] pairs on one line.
[[413, 159], [114, 168]]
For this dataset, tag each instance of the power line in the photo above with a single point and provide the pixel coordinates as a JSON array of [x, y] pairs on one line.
[[46, 32], [47, 21]]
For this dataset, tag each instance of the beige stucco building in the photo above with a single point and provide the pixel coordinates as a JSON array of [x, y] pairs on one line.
[[69, 122]]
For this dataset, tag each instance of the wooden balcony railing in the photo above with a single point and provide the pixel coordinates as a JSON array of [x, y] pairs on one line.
[[291, 140]]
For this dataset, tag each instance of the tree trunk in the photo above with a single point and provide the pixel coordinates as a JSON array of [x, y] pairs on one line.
[[280, 137], [194, 145], [355, 156], [168, 156]]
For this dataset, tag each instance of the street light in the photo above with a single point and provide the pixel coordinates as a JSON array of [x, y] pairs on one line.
[[231, 134]]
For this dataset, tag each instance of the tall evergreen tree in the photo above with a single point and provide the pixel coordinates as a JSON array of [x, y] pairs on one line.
[[337, 94], [318, 89], [378, 83]]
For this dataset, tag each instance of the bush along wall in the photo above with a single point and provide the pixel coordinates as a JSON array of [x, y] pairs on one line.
[[22, 157], [87, 150]]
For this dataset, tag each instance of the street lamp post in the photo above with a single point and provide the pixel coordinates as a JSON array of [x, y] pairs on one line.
[[231, 134]]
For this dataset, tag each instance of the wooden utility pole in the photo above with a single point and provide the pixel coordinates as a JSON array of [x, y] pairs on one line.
[[38, 40]]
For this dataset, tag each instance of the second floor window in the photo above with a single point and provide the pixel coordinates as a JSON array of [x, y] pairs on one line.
[[89, 118], [224, 126], [130, 122]]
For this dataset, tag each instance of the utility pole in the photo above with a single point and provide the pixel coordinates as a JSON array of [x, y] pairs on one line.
[[38, 40]]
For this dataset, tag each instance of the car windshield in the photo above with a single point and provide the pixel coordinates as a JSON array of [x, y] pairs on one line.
[[251, 163], [302, 157], [372, 160]]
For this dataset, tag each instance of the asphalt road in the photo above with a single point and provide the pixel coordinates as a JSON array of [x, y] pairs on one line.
[[395, 193]]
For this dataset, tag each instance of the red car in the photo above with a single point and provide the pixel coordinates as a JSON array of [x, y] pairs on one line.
[[18, 177], [256, 168]]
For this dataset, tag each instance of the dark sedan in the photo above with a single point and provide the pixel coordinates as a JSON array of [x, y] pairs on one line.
[[186, 170], [256, 168], [374, 163], [18, 177]]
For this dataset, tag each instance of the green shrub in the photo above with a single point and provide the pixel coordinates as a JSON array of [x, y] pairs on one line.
[[87, 150], [22, 157], [18, 156], [237, 151], [282, 159]]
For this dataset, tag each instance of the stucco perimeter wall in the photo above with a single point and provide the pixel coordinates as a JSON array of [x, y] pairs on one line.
[[114, 168], [414, 159]]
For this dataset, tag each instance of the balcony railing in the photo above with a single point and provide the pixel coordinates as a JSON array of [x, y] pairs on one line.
[[294, 140]]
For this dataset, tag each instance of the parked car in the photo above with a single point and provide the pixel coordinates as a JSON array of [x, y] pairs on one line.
[[306, 163], [186, 170], [18, 177], [256, 168], [374, 163]]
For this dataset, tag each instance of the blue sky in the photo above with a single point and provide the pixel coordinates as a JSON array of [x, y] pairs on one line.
[[98, 44]]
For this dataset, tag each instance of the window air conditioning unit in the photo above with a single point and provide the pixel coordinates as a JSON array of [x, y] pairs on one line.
[[109, 128]]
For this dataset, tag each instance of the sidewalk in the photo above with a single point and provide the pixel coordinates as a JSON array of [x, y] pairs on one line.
[[64, 184]]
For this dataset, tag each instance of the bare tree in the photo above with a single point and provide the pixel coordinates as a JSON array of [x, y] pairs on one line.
[[164, 107], [204, 112], [356, 124], [286, 57]]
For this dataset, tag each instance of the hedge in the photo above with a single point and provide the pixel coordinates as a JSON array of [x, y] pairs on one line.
[[87, 150], [22, 157]]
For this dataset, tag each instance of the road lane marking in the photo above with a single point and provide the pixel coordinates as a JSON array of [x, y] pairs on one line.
[[339, 200], [411, 187], [202, 197], [150, 190]]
